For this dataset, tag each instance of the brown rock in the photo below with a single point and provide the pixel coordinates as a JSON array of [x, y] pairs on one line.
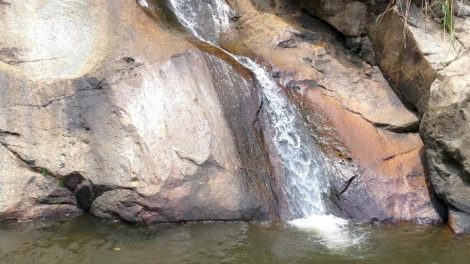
[[305, 50], [390, 183], [430, 72], [354, 115], [349, 17]]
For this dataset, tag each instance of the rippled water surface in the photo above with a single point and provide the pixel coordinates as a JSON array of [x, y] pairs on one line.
[[89, 240]]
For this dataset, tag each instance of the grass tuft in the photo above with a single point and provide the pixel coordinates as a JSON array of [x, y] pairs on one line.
[[447, 9]]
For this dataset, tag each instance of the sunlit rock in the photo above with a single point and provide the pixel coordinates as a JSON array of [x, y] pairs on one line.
[[410, 49], [445, 130], [127, 106], [369, 137]]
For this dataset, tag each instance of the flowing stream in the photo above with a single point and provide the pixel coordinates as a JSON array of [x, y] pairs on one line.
[[305, 174]]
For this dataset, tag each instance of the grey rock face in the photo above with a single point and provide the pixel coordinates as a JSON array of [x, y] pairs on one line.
[[459, 221], [349, 17], [445, 129], [121, 105], [27, 193]]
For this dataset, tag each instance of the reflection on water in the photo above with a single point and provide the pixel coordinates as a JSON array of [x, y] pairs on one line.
[[89, 240]]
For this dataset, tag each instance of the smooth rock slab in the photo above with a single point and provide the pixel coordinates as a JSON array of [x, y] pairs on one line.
[[132, 108]]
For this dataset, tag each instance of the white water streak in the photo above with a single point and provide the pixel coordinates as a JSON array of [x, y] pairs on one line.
[[144, 3], [194, 15], [303, 165]]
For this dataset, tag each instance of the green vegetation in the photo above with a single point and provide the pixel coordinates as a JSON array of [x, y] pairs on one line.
[[447, 7], [44, 172], [61, 183], [442, 10]]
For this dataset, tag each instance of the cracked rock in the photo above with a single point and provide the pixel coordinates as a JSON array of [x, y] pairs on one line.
[[410, 54], [103, 110], [445, 131], [351, 110]]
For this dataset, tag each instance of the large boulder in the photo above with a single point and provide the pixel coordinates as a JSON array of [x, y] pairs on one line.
[[410, 49], [103, 109], [445, 130], [369, 137]]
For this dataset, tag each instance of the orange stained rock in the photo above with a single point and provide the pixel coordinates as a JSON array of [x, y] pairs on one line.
[[391, 163]]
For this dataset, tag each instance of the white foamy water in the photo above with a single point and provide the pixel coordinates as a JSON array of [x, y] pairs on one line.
[[303, 165], [305, 174], [334, 231], [144, 3]]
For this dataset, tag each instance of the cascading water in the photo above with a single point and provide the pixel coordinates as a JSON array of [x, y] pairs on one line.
[[305, 174], [303, 165]]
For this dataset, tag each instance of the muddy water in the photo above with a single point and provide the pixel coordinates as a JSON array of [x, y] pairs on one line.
[[89, 240]]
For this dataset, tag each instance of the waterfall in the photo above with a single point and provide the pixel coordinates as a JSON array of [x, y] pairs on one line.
[[305, 174], [304, 171], [303, 166]]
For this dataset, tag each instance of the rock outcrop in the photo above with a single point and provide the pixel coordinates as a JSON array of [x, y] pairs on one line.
[[106, 110], [29, 193], [410, 49], [352, 18], [429, 69], [369, 137], [445, 129], [103, 109]]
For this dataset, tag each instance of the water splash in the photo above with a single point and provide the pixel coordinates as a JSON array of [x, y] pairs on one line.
[[304, 168], [335, 232]]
